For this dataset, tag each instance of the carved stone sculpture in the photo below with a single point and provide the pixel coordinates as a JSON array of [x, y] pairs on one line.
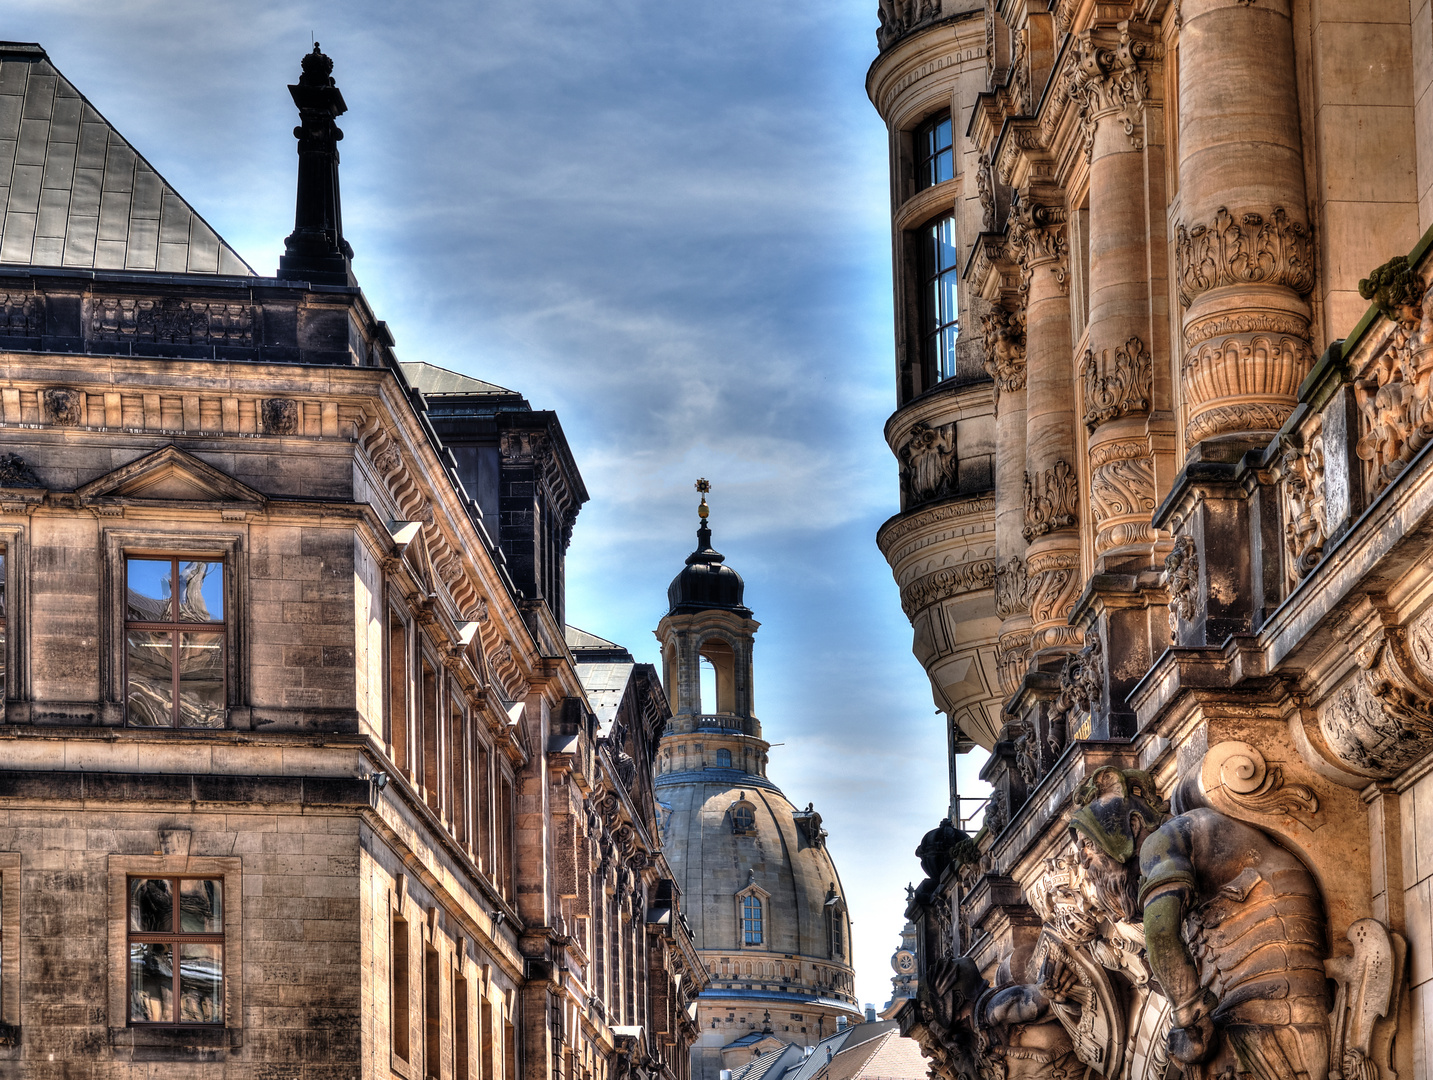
[[1051, 500], [1301, 488], [1368, 983], [1116, 385], [1181, 576], [15, 473], [1212, 891], [1395, 394], [1275, 251], [1005, 349], [280, 416], [62, 406]]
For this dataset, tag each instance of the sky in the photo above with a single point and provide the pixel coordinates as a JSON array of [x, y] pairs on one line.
[[670, 223]]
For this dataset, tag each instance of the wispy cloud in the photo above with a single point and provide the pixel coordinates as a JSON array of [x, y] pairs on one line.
[[669, 222]]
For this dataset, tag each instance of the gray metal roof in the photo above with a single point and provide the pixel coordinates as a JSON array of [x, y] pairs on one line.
[[432, 379], [583, 639], [605, 683], [76, 194]]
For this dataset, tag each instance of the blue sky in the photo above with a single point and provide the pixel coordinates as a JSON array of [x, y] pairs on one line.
[[667, 221]]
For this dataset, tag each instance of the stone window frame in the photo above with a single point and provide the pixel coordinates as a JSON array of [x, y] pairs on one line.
[[119, 869], [226, 545], [919, 159], [766, 923], [14, 546], [742, 803]]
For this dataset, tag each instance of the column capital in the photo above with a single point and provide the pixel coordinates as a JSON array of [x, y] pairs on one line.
[[1038, 237], [1107, 78]]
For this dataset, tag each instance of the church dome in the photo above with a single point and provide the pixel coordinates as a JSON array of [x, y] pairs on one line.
[[706, 582]]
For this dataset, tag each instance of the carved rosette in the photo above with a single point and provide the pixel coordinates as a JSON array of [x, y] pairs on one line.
[[1054, 588], [1051, 501], [1122, 495], [1005, 349], [1116, 385]]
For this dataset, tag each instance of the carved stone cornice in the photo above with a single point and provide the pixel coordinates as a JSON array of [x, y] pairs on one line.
[[945, 583], [1251, 250], [1051, 501], [1005, 349], [1116, 385], [898, 529]]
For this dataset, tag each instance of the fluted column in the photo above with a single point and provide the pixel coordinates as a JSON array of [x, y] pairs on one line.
[[1109, 81], [1005, 363], [1245, 259], [1051, 502]]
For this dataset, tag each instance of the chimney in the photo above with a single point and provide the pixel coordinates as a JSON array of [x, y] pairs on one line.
[[316, 250]]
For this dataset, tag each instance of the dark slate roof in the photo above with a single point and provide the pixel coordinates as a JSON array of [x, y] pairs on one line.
[[581, 639], [76, 194], [432, 379]]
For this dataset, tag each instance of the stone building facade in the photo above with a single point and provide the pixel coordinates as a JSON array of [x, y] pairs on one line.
[[766, 905], [298, 775], [1163, 534]]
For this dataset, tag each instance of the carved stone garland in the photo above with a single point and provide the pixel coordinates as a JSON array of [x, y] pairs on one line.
[[1051, 501]]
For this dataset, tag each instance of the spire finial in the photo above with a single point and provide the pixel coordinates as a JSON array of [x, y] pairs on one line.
[[704, 486], [704, 533]]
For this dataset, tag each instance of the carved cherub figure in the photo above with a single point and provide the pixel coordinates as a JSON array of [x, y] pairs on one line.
[[1233, 925]]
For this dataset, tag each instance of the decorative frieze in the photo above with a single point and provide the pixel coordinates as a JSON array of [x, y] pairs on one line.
[[171, 321], [1243, 384], [947, 582], [1051, 500], [899, 17], [21, 314], [1249, 250], [1005, 349], [1116, 385]]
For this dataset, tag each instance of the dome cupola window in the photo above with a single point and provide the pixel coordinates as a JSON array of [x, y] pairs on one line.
[[751, 914], [743, 814], [723, 759], [835, 909]]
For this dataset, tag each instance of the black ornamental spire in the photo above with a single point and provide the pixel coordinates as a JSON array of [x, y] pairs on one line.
[[316, 250]]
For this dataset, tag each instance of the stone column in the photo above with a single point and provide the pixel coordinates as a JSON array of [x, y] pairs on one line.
[[1245, 260], [1109, 82], [1051, 502], [1005, 363]]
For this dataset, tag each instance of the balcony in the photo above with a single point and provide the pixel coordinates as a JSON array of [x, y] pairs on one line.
[[718, 723]]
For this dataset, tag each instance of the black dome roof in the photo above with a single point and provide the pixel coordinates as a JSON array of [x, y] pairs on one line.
[[705, 582]]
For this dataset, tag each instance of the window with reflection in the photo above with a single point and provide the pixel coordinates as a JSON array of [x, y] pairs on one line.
[[934, 152], [176, 950], [174, 642], [723, 759], [4, 625], [751, 920], [940, 310], [743, 818]]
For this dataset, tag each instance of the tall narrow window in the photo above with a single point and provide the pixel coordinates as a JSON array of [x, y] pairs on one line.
[[460, 1023], [751, 920], [457, 759], [398, 998], [505, 839], [723, 759], [934, 152], [398, 679], [176, 950], [940, 311], [509, 1050], [429, 692], [432, 1042], [174, 642], [838, 937], [483, 794], [4, 627], [490, 1070]]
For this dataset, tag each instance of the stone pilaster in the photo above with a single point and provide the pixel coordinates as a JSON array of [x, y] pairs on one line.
[[1244, 253], [1051, 495]]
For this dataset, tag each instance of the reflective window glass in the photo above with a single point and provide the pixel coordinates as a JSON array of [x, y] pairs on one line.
[[935, 152], [175, 674], [751, 920], [161, 991], [940, 298]]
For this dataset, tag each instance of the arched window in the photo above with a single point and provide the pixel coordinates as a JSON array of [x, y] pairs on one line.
[[723, 759], [751, 920], [743, 819]]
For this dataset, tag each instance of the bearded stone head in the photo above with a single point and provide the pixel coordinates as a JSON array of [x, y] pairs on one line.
[[1116, 810]]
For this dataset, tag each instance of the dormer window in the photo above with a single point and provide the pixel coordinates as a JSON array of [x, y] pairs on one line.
[[751, 914], [934, 152]]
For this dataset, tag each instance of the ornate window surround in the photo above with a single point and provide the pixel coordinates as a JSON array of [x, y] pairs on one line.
[[228, 546], [753, 890]]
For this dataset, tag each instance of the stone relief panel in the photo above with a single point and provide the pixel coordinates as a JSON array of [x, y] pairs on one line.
[[1300, 475], [1116, 385], [1181, 578], [1393, 391], [171, 321], [929, 466], [1051, 501], [62, 406], [1381, 720]]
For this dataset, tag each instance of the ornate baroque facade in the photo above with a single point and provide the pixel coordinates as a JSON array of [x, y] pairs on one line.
[[299, 776], [1164, 528]]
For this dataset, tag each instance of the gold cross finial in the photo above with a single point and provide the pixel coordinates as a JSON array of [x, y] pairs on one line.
[[704, 486]]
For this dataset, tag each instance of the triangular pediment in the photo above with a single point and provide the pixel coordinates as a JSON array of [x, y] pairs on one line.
[[78, 195], [169, 475]]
